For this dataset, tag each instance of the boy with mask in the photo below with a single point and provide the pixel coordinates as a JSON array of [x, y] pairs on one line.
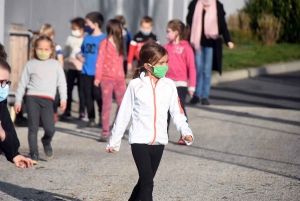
[[144, 36], [88, 56]]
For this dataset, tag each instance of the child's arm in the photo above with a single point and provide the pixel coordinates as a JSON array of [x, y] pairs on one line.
[[59, 55], [62, 86], [24, 79], [123, 117], [179, 118], [130, 57], [100, 61], [190, 61]]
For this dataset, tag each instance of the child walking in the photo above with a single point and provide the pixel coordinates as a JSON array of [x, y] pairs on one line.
[[182, 68], [110, 73], [73, 65], [40, 78], [147, 100], [88, 56]]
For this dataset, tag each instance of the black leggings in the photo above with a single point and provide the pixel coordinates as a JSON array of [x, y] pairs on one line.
[[37, 108], [182, 92], [147, 159]]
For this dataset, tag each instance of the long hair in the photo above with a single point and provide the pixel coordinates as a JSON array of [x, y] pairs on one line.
[[114, 29], [150, 53], [183, 31], [3, 54], [36, 43]]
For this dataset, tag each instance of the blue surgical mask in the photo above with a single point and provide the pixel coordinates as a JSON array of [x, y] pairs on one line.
[[4, 93], [88, 29], [146, 33]]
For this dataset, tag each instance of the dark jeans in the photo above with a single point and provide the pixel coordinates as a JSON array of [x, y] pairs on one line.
[[56, 102], [182, 92], [91, 93], [73, 75], [39, 108], [147, 159]]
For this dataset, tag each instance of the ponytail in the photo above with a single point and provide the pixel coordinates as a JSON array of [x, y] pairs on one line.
[[139, 68], [184, 31], [187, 33]]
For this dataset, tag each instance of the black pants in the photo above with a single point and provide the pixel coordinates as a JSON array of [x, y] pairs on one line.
[[91, 93], [56, 102], [73, 75], [39, 108], [147, 159], [182, 92], [125, 67]]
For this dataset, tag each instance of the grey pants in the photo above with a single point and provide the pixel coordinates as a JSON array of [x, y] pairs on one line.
[[39, 109]]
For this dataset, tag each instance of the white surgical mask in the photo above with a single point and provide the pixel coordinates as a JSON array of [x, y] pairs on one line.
[[76, 33]]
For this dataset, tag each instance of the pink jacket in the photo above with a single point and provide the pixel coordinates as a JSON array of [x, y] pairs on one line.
[[182, 68], [109, 65]]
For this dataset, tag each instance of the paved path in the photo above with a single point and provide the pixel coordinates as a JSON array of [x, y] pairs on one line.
[[247, 148]]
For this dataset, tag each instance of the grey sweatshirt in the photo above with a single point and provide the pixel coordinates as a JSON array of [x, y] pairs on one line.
[[41, 78]]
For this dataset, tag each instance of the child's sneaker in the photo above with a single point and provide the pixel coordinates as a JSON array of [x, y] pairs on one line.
[[91, 123], [181, 142], [48, 151], [81, 115], [67, 115], [104, 137], [34, 158]]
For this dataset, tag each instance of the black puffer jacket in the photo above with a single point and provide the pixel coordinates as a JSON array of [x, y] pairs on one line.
[[11, 143]]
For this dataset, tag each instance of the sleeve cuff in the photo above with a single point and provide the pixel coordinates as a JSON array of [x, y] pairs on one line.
[[192, 89]]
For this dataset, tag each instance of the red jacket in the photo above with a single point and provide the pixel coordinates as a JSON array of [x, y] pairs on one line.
[[109, 65], [182, 68]]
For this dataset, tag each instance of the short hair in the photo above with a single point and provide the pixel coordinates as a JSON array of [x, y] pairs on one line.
[[3, 54], [121, 18], [4, 65], [46, 30], [95, 17], [146, 19], [79, 21]]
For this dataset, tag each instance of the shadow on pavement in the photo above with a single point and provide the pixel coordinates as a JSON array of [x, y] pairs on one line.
[[22, 193]]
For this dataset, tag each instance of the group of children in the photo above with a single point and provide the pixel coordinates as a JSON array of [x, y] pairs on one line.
[[163, 76]]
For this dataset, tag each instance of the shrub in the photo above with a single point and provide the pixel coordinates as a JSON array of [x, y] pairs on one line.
[[269, 28]]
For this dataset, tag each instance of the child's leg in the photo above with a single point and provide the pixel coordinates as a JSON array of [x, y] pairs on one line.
[[107, 89], [98, 98], [182, 92], [71, 76], [48, 122], [147, 159], [80, 94], [88, 88], [119, 91], [33, 111]]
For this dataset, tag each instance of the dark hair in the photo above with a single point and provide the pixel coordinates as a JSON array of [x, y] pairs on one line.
[[95, 17], [3, 54], [150, 53], [79, 21], [114, 29], [183, 31], [121, 18], [146, 19], [36, 43], [4, 65]]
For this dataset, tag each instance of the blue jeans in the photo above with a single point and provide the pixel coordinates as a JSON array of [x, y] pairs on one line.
[[204, 61]]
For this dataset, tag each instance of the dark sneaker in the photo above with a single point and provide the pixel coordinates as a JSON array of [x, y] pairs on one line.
[[81, 115], [195, 100], [48, 151], [205, 101], [34, 158], [67, 115], [91, 123], [103, 138]]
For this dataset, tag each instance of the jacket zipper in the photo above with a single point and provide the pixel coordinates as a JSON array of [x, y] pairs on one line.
[[154, 100]]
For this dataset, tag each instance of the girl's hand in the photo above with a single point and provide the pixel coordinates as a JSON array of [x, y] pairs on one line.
[[188, 138], [191, 93], [230, 45], [129, 67], [80, 57], [110, 150], [63, 105], [2, 134], [22, 162], [18, 109], [96, 83]]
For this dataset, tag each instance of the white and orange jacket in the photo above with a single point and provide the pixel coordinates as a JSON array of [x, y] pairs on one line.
[[148, 105]]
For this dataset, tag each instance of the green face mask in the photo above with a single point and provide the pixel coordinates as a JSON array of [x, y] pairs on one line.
[[159, 71], [42, 55]]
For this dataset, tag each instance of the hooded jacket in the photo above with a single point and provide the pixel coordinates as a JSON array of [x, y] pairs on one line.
[[148, 104], [181, 64]]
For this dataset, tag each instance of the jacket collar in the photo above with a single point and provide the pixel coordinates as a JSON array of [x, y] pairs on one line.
[[146, 79]]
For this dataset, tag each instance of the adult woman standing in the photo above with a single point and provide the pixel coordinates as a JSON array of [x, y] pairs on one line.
[[207, 21]]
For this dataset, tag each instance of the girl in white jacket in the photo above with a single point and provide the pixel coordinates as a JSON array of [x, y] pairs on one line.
[[147, 100]]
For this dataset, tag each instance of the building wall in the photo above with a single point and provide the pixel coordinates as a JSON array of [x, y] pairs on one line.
[[32, 14]]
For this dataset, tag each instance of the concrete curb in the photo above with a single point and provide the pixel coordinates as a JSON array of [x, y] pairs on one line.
[[271, 69]]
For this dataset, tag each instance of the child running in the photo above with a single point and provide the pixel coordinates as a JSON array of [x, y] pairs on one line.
[[147, 100], [48, 30], [40, 78], [182, 68], [110, 73], [73, 65], [88, 56]]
